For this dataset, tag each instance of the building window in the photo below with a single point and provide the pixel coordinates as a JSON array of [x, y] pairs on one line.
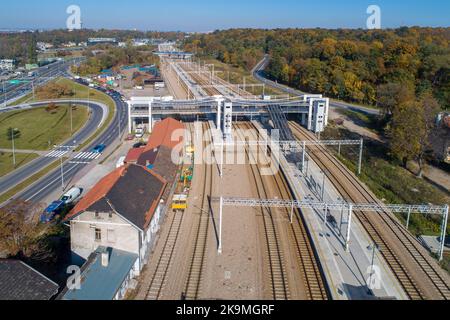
[[98, 234]]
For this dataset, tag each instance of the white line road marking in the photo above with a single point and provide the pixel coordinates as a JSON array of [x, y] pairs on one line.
[[57, 179], [56, 154]]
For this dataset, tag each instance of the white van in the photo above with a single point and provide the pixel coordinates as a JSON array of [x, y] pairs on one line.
[[71, 196], [120, 162], [139, 133]]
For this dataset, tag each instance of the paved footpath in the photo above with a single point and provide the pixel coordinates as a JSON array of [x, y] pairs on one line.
[[41, 153]]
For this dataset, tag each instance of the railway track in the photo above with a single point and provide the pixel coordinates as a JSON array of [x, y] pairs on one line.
[[307, 258], [209, 89], [419, 275], [278, 275], [196, 265], [159, 275]]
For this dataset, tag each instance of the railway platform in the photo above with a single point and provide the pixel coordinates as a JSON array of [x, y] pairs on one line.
[[347, 272]]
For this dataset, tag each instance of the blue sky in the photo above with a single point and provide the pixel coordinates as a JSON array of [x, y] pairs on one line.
[[204, 15]]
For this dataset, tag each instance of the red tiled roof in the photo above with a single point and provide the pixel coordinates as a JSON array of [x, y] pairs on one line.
[[100, 190], [162, 134], [133, 155], [134, 194]]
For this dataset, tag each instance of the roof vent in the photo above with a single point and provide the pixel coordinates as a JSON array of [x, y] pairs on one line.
[[105, 258]]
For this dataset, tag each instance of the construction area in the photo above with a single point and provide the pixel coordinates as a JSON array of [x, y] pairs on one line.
[[261, 209]]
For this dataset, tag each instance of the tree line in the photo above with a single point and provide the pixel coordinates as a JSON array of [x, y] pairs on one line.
[[346, 64], [405, 72]]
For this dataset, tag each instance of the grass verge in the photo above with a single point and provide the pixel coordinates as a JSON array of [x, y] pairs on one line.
[[6, 161], [41, 128], [82, 92], [24, 184]]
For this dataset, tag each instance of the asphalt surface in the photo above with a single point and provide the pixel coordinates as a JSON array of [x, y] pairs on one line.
[[258, 73], [10, 92], [17, 176], [39, 190], [52, 182]]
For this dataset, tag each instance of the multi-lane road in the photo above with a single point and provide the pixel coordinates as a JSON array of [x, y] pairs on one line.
[[24, 85], [39, 190]]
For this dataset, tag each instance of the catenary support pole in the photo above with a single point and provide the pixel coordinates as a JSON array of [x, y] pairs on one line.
[[349, 225], [444, 231], [303, 156], [408, 219], [360, 156], [292, 212], [220, 225], [222, 147]]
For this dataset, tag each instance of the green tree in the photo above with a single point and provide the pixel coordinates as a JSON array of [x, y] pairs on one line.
[[12, 133]]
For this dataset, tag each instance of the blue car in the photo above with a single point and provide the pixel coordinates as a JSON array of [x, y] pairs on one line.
[[54, 209], [99, 148]]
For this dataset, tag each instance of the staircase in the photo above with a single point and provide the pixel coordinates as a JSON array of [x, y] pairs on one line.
[[280, 122]]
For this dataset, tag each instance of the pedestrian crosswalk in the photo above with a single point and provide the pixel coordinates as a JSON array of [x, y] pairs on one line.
[[86, 156], [56, 154]]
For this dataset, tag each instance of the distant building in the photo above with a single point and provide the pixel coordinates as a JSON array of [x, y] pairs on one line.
[[18, 281], [122, 211], [141, 42], [44, 46], [107, 275], [95, 41], [69, 44], [7, 64]]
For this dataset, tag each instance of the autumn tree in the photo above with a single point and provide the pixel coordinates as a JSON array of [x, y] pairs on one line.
[[391, 95], [20, 230], [55, 91], [410, 129]]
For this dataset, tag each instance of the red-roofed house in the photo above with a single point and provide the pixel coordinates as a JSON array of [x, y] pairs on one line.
[[168, 133], [122, 211], [167, 137], [133, 155]]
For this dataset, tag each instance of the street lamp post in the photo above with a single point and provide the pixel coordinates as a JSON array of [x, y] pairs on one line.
[[71, 119], [13, 132], [62, 173], [4, 95]]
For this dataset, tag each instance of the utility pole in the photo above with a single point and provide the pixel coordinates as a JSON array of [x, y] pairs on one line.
[[71, 120], [13, 131], [62, 173], [4, 94]]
